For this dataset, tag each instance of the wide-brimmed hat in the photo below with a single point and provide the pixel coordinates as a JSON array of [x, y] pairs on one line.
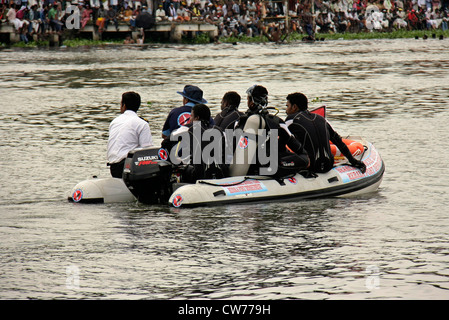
[[193, 93]]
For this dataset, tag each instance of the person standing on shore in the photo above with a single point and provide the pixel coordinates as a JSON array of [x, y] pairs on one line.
[[127, 132], [113, 4]]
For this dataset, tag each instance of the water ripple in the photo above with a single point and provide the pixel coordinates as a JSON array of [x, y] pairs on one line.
[[57, 105]]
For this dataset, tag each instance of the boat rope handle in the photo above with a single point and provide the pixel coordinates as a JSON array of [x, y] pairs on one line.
[[227, 185], [236, 183], [247, 178]]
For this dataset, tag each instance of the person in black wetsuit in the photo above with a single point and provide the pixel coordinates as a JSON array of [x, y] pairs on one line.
[[207, 166], [229, 111], [289, 161], [314, 132]]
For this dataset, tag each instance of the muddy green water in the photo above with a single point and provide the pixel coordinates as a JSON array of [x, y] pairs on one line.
[[56, 106]]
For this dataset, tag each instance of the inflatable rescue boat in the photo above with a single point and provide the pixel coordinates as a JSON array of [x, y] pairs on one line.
[[150, 178]]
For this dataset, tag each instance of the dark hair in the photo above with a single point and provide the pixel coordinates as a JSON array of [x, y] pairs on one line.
[[202, 112], [259, 92], [259, 95], [131, 100], [299, 99], [233, 98]]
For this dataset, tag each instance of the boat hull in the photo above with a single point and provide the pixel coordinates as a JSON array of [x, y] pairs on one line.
[[342, 181], [100, 190]]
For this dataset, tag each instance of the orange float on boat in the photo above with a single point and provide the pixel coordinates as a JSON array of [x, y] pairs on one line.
[[356, 148]]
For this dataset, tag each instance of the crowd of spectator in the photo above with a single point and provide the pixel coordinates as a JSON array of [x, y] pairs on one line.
[[233, 17]]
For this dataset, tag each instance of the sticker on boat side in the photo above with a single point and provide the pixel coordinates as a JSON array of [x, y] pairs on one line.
[[293, 180], [77, 195], [243, 143], [177, 201], [246, 187], [373, 164], [163, 154]]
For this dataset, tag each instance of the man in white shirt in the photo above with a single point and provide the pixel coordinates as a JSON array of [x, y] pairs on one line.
[[127, 132], [12, 18], [160, 14], [114, 4]]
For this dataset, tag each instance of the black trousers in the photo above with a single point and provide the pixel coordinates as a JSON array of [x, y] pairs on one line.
[[288, 163], [117, 169], [291, 163]]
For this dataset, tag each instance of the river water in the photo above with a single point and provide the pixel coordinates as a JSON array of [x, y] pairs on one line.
[[56, 106]]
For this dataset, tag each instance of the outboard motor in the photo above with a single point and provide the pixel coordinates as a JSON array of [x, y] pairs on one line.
[[148, 175]]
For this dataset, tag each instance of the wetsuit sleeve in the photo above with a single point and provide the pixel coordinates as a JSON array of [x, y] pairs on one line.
[[218, 119], [288, 139], [295, 145], [337, 140]]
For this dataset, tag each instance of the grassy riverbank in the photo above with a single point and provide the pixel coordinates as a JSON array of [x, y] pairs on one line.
[[396, 34], [292, 37]]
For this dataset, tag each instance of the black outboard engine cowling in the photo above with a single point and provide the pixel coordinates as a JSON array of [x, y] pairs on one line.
[[148, 175]]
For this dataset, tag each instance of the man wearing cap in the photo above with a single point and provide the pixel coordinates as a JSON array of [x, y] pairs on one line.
[[180, 116], [412, 20], [160, 14]]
